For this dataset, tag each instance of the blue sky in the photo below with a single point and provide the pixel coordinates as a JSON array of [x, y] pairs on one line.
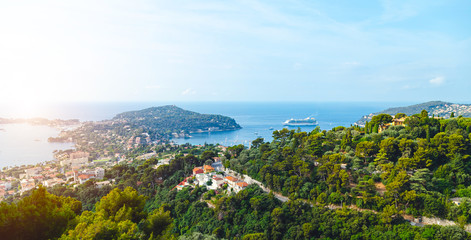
[[61, 51]]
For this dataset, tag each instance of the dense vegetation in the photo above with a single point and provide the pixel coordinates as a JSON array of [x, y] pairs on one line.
[[328, 175], [434, 108], [174, 119], [430, 107], [130, 130], [413, 170]]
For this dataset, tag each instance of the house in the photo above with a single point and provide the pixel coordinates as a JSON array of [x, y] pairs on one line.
[[395, 122], [70, 174], [240, 186], [218, 167], [202, 179], [76, 159], [103, 183], [52, 182], [27, 184], [208, 169], [399, 121], [231, 181], [85, 177], [99, 173], [197, 170], [33, 172], [5, 185], [218, 180]]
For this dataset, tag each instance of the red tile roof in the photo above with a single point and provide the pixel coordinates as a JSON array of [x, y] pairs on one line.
[[242, 184], [197, 170], [232, 179]]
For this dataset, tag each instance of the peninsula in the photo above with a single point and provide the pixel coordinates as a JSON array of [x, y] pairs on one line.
[[434, 108], [143, 128]]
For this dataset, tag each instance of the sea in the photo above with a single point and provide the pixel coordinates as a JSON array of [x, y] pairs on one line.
[[23, 144]]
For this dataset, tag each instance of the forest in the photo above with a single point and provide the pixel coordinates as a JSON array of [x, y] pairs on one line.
[[171, 118], [345, 183], [413, 169]]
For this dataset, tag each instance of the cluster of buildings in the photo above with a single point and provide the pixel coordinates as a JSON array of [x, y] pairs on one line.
[[447, 109], [134, 142], [76, 160], [85, 175], [6, 188], [80, 171], [213, 177]]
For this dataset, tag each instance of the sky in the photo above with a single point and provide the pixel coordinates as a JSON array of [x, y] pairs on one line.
[[126, 51]]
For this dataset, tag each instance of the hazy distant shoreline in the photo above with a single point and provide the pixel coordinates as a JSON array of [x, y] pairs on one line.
[[258, 119], [25, 144]]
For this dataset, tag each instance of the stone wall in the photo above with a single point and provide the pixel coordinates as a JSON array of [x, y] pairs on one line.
[[443, 222]]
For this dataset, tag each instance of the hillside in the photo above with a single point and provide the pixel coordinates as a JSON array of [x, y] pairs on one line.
[[134, 130], [172, 118], [344, 183], [434, 108]]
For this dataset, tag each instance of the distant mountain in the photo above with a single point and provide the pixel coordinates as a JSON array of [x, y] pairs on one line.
[[172, 118], [434, 108]]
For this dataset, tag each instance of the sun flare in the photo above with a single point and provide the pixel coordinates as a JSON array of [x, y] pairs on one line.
[[27, 109]]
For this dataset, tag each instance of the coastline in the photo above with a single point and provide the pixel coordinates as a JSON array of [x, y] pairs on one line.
[[26, 144]]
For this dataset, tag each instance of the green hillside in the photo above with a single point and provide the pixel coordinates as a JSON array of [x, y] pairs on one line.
[[434, 108]]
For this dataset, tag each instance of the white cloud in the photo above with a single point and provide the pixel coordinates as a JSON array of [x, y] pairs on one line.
[[188, 91], [437, 81]]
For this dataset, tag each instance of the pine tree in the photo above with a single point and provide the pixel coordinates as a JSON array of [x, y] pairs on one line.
[[427, 130], [375, 128]]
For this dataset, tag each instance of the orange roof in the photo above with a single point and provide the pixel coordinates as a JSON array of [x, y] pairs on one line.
[[232, 179], [84, 176], [207, 167], [242, 184]]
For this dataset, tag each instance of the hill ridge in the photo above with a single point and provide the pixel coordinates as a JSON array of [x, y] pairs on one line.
[[434, 108]]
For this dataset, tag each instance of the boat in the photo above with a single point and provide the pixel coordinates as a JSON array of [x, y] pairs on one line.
[[301, 122]]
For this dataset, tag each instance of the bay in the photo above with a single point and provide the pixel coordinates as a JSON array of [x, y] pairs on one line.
[[26, 144], [260, 119]]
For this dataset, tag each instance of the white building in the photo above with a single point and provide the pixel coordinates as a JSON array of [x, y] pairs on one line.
[[52, 182], [103, 183], [77, 159], [99, 173], [27, 184], [202, 178], [5, 185], [31, 172]]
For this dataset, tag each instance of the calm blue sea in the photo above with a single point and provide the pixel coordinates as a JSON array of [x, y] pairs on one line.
[[25, 144]]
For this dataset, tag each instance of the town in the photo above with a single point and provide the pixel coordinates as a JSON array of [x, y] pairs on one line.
[[72, 168]]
